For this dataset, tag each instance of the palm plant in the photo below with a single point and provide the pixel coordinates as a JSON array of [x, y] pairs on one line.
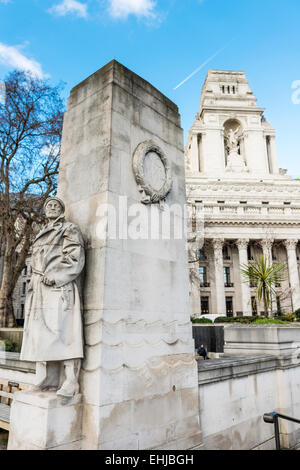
[[265, 276]]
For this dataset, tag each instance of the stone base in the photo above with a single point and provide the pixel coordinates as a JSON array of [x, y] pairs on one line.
[[277, 340], [43, 421]]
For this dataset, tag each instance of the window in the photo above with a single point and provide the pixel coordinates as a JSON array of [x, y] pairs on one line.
[[25, 271], [227, 276], [203, 274], [265, 203], [229, 306], [250, 257], [22, 311], [24, 288], [226, 255], [201, 255], [204, 305], [254, 306]]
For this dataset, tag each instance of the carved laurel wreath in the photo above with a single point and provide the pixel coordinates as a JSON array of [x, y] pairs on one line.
[[148, 194]]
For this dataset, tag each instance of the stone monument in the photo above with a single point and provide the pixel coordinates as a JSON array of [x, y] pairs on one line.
[[121, 173], [52, 335]]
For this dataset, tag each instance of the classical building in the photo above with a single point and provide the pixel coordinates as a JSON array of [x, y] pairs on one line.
[[247, 204]]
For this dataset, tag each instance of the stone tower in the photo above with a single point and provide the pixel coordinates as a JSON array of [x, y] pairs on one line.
[[247, 204]]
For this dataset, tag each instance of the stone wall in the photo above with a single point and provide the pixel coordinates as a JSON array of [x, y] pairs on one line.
[[234, 394]]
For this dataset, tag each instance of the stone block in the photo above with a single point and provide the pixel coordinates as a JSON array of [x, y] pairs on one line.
[[41, 420]]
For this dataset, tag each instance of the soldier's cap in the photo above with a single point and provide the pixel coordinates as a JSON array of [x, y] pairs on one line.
[[54, 198]]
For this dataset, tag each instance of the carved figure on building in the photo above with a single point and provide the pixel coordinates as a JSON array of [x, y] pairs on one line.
[[53, 335], [235, 161]]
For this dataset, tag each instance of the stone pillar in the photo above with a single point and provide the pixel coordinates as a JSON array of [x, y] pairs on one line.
[[139, 377], [242, 245], [273, 155], [195, 153], [293, 271], [219, 276]]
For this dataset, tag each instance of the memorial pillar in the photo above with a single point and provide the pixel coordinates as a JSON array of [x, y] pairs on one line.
[[293, 272], [242, 245], [122, 162], [219, 276]]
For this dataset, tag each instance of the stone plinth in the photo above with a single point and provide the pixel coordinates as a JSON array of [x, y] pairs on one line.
[[43, 421], [259, 339], [139, 376]]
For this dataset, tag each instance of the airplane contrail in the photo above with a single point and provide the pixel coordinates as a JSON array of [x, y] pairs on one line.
[[203, 65]]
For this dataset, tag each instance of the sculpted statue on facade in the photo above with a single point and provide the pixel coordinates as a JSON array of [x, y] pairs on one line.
[[53, 335], [235, 161]]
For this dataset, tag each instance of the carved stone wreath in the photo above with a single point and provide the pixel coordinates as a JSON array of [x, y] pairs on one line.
[[150, 195]]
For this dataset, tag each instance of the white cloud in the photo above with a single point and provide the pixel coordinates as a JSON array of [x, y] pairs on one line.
[[123, 8], [70, 6], [11, 56]]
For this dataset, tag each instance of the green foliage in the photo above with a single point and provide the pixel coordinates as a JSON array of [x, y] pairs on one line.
[[255, 320], [245, 320], [297, 313], [11, 346], [200, 320], [265, 276], [287, 317], [270, 321]]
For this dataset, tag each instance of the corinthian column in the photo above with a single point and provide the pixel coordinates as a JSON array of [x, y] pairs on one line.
[[293, 271], [219, 276], [242, 245], [266, 246]]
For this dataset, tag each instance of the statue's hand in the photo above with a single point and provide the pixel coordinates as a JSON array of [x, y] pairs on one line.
[[48, 282]]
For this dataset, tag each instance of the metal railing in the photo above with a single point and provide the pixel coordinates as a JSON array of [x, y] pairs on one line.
[[273, 418]]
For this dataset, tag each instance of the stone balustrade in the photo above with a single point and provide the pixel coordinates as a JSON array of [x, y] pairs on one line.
[[250, 210]]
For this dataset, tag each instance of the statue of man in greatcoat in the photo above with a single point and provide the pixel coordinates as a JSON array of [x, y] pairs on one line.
[[53, 336]]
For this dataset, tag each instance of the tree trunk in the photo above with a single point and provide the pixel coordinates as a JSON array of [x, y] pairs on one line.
[[265, 302], [7, 318]]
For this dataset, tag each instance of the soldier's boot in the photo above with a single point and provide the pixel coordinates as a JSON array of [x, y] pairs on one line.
[[70, 386]]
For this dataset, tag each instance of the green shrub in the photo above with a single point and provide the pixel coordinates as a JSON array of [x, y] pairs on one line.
[[269, 321], [243, 320], [297, 313], [11, 346], [287, 318], [200, 320]]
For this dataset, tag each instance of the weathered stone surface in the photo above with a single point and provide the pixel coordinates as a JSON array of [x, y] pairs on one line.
[[261, 339], [139, 377], [235, 393], [42, 421]]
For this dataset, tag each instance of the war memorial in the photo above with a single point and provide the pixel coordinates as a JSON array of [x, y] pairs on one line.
[[108, 358]]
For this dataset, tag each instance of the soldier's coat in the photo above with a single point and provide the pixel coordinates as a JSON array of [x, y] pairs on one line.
[[53, 322]]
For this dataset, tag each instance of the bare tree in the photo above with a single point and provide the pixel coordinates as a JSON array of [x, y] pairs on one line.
[[30, 132]]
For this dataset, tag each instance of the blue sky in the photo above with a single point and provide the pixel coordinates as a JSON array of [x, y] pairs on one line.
[[164, 41]]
